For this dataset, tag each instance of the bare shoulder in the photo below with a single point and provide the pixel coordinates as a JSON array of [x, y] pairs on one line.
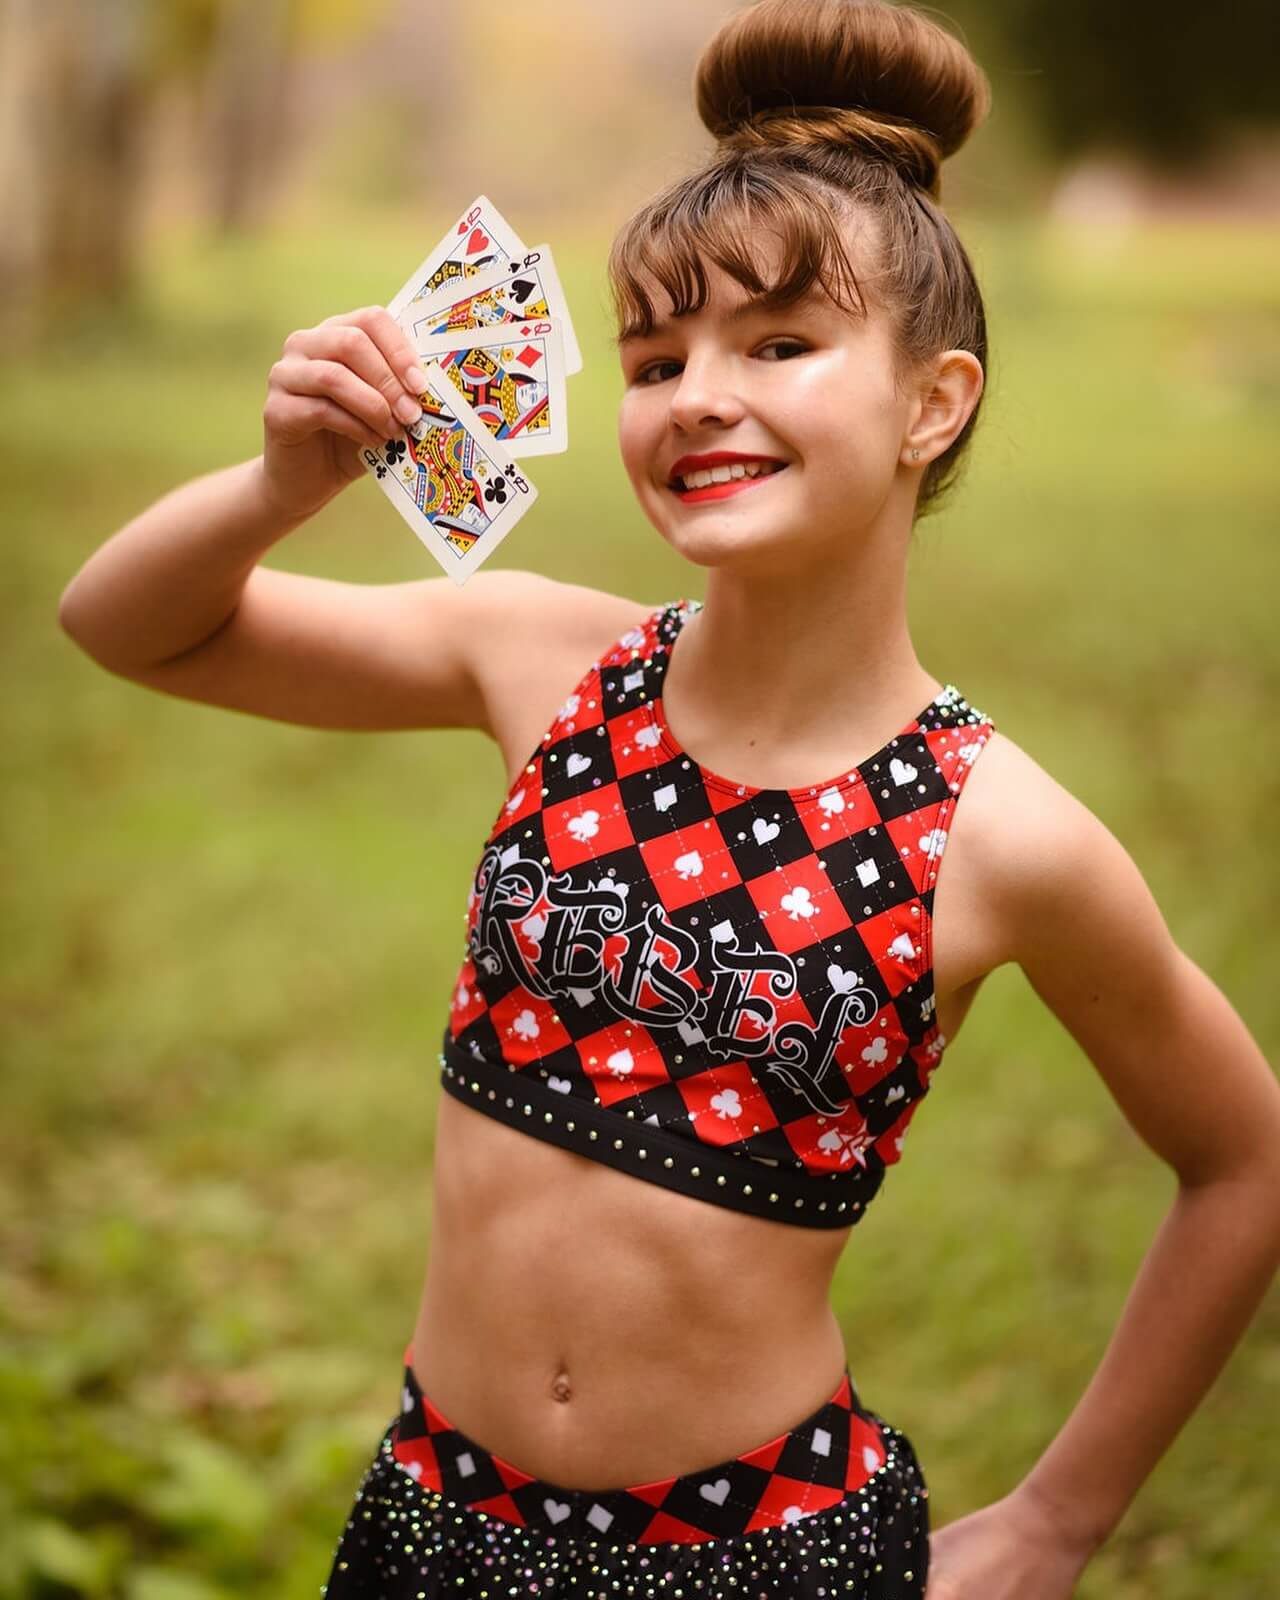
[[536, 636], [1032, 850]]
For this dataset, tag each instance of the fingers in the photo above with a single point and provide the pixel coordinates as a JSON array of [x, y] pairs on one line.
[[386, 336], [355, 374]]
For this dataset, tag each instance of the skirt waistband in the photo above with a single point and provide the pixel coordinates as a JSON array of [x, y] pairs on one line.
[[838, 1448]]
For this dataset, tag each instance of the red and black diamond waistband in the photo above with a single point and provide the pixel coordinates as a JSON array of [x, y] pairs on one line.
[[841, 1447]]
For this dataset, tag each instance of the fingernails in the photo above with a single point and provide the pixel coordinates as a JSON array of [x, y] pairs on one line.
[[406, 409], [416, 378]]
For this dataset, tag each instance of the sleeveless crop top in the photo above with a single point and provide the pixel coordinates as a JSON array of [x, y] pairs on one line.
[[721, 989]]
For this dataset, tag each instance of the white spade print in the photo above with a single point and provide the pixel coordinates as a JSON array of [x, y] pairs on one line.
[[665, 797], [934, 842], [849, 1145], [902, 771], [689, 865], [717, 1492], [841, 979], [560, 1085], [868, 873], [585, 827], [796, 903], [726, 1104], [515, 801], [648, 737], [534, 927], [621, 1062], [831, 801], [765, 831], [526, 1025], [903, 947], [577, 763], [896, 1093]]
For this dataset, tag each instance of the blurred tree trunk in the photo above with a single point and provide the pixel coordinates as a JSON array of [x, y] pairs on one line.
[[74, 92], [247, 84]]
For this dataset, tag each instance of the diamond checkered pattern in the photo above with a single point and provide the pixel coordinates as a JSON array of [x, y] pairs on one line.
[[747, 969]]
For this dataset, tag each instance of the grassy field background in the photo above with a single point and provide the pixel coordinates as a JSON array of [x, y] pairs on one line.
[[229, 943]]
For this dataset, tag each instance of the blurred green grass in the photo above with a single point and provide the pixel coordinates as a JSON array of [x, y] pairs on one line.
[[229, 943]]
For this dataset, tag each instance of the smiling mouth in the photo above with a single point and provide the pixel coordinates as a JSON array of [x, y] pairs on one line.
[[740, 474]]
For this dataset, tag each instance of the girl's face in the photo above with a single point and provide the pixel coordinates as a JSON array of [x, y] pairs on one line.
[[810, 387]]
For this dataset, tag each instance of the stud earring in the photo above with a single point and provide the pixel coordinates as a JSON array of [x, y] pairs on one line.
[[915, 455]]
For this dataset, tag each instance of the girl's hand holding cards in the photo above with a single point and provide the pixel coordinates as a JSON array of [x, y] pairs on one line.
[[347, 384], [491, 325]]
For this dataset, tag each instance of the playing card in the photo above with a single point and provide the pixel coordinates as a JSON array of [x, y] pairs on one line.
[[459, 491], [512, 377], [505, 292], [482, 237]]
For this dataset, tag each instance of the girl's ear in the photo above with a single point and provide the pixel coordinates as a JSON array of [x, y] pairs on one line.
[[949, 389]]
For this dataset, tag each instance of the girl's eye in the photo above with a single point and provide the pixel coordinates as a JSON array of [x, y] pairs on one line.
[[646, 373]]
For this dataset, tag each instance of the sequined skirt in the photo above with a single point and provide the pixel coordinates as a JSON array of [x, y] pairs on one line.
[[835, 1507]]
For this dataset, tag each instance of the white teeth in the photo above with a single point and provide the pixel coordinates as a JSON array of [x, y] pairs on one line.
[[725, 474]]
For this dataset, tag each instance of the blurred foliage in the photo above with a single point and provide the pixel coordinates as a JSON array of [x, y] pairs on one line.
[[229, 944], [1165, 79], [180, 35]]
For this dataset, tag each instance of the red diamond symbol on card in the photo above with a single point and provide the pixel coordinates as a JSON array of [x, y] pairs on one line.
[[530, 355]]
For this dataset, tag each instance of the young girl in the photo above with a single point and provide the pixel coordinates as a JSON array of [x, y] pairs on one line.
[[710, 963]]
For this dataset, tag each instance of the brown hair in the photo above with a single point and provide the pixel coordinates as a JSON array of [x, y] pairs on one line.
[[823, 109]]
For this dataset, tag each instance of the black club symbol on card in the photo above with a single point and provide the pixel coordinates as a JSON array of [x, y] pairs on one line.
[[394, 449], [496, 491]]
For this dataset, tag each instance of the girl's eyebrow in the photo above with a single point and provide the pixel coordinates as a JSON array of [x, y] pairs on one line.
[[753, 306]]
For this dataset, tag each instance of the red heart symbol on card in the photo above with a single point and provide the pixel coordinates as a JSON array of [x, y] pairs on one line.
[[479, 240]]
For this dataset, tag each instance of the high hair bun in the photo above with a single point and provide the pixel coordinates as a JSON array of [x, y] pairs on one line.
[[880, 77]]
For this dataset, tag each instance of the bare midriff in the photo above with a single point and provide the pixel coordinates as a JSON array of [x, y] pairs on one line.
[[601, 1331]]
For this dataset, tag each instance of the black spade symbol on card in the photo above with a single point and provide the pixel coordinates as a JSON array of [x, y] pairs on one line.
[[521, 289]]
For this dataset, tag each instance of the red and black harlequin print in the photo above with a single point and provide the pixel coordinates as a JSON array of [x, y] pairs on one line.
[[810, 1467], [836, 1505], [723, 989]]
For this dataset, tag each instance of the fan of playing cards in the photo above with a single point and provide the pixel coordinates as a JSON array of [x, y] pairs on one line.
[[490, 321]]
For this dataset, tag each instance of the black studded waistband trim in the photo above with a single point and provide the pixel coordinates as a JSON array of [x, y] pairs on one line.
[[707, 1172]]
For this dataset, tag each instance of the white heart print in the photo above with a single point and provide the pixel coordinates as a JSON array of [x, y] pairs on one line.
[[556, 1510], [577, 763], [765, 831], [717, 1492], [902, 771]]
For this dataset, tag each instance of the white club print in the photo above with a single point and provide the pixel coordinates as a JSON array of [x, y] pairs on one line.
[[726, 1104], [585, 826], [526, 1025], [796, 903]]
